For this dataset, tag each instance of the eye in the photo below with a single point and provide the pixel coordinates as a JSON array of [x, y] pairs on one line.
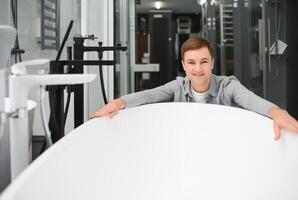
[[191, 62]]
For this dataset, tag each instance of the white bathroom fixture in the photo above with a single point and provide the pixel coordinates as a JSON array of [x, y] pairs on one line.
[[19, 86], [166, 151]]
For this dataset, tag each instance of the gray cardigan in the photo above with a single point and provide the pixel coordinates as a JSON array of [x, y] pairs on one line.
[[223, 91]]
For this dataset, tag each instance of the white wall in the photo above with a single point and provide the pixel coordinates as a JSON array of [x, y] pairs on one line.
[[4, 12], [97, 19]]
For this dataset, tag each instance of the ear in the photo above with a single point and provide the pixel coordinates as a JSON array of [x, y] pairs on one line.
[[212, 63], [183, 64]]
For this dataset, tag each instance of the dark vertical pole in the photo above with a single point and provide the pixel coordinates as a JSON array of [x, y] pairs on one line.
[[241, 38], [263, 45], [57, 7], [211, 33], [292, 73], [100, 55], [79, 88], [42, 34], [56, 98], [16, 14]]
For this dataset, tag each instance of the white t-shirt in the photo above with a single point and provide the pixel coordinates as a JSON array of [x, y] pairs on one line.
[[200, 97]]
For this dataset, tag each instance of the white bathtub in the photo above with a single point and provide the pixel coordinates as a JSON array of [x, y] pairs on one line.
[[168, 151]]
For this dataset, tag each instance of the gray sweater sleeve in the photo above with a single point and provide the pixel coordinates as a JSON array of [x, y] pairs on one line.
[[247, 99], [164, 93]]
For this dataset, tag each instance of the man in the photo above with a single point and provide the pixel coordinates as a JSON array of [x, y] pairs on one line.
[[201, 86]]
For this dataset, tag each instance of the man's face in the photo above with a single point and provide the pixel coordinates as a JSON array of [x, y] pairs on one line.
[[198, 66]]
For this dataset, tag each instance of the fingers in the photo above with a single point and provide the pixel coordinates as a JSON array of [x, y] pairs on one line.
[[95, 116], [283, 120], [99, 113], [289, 123], [293, 125], [110, 110], [113, 114], [292, 128], [92, 117], [276, 131]]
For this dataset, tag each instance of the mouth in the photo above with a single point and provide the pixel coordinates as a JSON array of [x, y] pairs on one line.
[[199, 74]]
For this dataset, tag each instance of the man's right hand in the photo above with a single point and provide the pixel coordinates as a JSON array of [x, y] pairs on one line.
[[110, 110]]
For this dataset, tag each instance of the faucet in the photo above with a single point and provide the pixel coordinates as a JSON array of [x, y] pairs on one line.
[[19, 86]]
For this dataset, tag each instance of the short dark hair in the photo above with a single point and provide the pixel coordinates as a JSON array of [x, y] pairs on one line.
[[196, 43]]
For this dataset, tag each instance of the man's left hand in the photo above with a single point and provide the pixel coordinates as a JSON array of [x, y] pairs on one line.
[[282, 120]]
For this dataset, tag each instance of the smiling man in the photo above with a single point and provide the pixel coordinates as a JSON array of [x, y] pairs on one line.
[[201, 86]]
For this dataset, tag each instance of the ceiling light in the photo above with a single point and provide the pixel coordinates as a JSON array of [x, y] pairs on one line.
[[202, 2], [157, 5]]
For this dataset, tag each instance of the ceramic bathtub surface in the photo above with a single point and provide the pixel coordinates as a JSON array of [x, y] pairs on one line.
[[168, 151]]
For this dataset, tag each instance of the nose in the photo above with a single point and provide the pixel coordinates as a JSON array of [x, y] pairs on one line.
[[198, 68]]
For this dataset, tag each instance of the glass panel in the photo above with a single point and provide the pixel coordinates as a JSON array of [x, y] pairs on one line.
[[256, 72], [117, 85], [226, 37], [121, 70]]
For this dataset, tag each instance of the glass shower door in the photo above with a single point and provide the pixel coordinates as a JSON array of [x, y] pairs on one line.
[[121, 70], [256, 36]]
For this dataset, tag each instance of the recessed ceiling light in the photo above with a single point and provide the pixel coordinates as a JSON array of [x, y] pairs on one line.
[[202, 2], [157, 5]]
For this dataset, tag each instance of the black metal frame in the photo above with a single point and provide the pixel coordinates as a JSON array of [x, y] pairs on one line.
[[57, 119]]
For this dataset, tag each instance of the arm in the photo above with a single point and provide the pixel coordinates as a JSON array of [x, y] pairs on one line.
[[248, 100], [164, 93], [160, 94]]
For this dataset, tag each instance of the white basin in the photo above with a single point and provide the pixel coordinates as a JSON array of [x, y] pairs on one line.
[[31, 108], [5, 147], [168, 151]]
